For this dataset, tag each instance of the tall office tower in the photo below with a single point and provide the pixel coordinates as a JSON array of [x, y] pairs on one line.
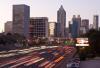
[[51, 28], [61, 19], [96, 22], [8, 27], [70, 29], [70, 25], [57, 30], [79, 24], [75, 26], [85, 24], [21, 16], [39, 27], [67, 32]]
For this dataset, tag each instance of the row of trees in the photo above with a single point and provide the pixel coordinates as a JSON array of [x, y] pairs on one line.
[[9, 40]]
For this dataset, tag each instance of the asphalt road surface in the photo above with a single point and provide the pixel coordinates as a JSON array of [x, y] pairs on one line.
[[56, 57]]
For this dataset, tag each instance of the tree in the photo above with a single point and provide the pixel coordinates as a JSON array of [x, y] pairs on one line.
[[94, 41]]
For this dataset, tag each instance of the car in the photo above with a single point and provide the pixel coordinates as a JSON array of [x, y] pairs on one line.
[[73, 65]]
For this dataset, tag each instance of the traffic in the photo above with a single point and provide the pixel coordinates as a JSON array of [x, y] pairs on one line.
[[38, 57]]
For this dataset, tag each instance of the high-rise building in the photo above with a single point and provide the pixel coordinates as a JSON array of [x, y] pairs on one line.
[[70, 29], [84, 26], [79, 23], [39, 27], [51, 28], [75, 30], [67, 32], [8, 27], [57, 30], [96, 22], [21, 17], [70, 25], [61, 20]]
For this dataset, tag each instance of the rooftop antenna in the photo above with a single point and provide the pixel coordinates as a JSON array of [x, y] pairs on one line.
[[61, 2]]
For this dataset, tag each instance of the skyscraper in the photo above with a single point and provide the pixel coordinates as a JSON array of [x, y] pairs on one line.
[[21, 16], [61, 19], [39, 27], [57, 30], [70, 29], [75, 30], [70, 25], [79, 23], [96, 22], [85, 24]]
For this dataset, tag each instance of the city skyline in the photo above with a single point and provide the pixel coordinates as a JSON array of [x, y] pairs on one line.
[[49, 9]]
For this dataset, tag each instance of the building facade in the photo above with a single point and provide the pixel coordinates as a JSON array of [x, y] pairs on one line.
[[75, 30], [8, 27], [84, 26], [96, 22], [78, 19], [51, 29], [70, 25], [21, 16], [57, 30], [70, 29], [39, 27], [61, 20]]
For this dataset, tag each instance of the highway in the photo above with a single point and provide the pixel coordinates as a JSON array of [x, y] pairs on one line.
[[55, 57]]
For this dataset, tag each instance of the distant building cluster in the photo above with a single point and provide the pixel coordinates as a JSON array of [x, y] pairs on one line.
[[32, 27]]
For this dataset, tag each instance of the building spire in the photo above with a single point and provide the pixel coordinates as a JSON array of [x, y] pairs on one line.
[[61, 8]]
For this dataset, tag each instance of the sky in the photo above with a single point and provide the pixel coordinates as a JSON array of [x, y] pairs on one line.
[[48, 8]]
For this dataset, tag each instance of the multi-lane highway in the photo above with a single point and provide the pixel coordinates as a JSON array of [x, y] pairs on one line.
[[55, 57]]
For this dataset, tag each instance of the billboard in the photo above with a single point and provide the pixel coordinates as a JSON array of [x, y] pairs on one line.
[[82, 42]]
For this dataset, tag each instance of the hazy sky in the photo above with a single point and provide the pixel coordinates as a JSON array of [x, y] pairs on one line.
[[48, 8]]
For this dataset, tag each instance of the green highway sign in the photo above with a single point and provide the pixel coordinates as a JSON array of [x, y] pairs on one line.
[[69, 42]]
